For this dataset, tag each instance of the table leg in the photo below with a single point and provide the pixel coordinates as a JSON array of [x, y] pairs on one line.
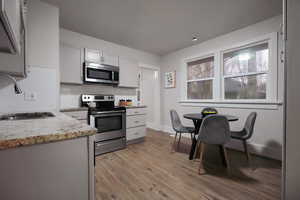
[[197, 124]]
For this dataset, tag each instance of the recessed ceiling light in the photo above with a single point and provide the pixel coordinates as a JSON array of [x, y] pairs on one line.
[[195, 39]]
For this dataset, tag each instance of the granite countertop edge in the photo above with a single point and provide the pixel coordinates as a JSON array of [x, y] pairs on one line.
[[42, 139], [141, 106], [38, 131], [74, 109]]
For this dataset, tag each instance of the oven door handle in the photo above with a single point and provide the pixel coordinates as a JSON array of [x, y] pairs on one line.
[[107, 115], [108, 112]]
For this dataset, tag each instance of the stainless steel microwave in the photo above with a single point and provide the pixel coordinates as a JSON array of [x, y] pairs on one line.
[[97, 73]]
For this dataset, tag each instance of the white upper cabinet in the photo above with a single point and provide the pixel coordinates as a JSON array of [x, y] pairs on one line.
[[70, 64], [12, 34], [11, 25], [108, 59], [42, 35], [92, 55], [129, 72], [100, 57]]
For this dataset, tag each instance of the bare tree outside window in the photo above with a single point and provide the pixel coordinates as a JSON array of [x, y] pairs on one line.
[[200, 75], [246, 72]]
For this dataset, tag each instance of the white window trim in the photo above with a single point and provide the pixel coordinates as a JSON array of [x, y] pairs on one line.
[[218, 79], [272, 40], [195, 58]]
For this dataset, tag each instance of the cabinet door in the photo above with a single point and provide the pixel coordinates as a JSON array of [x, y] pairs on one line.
[[70, 64], [129, 71], [108, 59], [11, 13], [14, 64], [92, 55]]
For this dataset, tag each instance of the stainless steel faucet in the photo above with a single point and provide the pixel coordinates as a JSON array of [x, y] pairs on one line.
[[16, 85]]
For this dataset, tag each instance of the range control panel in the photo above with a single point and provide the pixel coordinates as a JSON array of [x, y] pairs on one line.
[[96, 98]]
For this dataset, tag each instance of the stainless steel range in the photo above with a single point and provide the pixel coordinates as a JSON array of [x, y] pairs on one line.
[[109, 120]]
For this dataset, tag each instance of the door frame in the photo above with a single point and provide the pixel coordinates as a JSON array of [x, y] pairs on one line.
[[157, 114]]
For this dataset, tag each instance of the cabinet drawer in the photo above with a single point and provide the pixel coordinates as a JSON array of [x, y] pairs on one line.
[[135, 120], [135, 133], [135, 111]]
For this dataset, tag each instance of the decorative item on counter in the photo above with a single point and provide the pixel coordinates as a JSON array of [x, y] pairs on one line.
[[128, 102], [122, 103]]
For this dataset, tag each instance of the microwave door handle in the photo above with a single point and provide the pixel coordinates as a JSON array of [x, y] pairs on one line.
[[113, 76]]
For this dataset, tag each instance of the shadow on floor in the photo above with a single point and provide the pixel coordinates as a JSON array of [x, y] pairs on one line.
[[241, 169]]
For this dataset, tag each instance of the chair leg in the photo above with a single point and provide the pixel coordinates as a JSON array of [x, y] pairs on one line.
[[246, 151], [174, 142], [192, 137], [226, 160], [226, 157], [197, 150], [179, 140], [221, 150], [201, 169]]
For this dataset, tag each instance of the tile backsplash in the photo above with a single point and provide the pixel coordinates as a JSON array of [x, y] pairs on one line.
[[70, 94], [126, 97]]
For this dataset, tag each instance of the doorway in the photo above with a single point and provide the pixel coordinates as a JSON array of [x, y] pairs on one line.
[[150, 95]]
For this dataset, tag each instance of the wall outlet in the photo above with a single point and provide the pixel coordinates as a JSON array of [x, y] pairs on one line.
[[30, 96]]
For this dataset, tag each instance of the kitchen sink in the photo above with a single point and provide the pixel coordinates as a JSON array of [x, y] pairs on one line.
[[26, 116]]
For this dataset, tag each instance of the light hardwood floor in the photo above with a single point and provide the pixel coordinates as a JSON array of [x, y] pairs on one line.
[[151, 170]]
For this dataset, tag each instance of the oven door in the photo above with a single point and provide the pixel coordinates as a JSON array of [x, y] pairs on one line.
[[95, 73], [110, 125]]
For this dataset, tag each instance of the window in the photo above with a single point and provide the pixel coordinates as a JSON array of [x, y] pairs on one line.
[[242, 73], [200, 76], [245, 72]]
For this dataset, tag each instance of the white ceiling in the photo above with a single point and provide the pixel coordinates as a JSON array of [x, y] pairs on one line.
[[161, 26]]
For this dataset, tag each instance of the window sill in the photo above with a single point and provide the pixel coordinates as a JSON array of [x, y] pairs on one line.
[[253, 104]]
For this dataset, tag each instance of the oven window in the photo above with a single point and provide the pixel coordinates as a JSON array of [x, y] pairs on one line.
[[109, 123], [99, 74]]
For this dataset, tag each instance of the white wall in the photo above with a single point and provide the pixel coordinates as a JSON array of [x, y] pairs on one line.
[[267, 139], [292, 158], [70, 93], [42, 61]]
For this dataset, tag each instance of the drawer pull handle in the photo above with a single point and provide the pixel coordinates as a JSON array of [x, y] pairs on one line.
[[136, 122], [136, 112], [136, 133]]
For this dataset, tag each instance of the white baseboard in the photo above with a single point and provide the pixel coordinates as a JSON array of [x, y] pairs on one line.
[[154, 126], [258, 149]]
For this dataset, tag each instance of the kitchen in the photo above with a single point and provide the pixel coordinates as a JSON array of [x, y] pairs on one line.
[[75, 105]]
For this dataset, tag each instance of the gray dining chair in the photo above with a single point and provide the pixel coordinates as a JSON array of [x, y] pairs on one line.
[[179, 128], [246, 133], [214, 130]]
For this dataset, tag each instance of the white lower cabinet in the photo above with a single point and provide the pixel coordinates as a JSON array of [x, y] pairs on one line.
[[135, 133], [135, 124]]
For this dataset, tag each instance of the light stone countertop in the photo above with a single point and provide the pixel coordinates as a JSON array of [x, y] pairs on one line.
[[74, 109], [16, 133], [140, 106]]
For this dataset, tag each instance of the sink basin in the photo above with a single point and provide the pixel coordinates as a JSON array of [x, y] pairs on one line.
[[26, 116]]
